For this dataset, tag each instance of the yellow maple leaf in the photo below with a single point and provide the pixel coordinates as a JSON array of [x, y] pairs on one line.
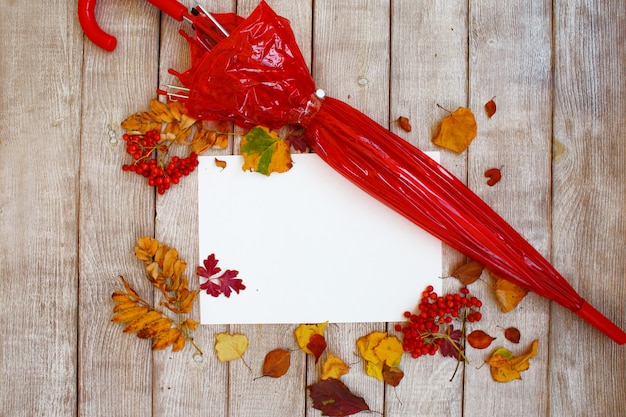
[[265, 152], [505, 367], [230, 346], [457, 130], [334, 367], [304, 332]]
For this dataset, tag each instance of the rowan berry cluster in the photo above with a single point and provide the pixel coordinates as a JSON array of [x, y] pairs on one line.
[[424, 332], [144, 149]]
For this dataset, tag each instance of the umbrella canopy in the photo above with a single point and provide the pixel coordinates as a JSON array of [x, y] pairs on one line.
[[251, 72], [257, 76]]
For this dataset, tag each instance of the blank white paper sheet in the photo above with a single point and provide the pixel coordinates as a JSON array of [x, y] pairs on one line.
[[310, 247]]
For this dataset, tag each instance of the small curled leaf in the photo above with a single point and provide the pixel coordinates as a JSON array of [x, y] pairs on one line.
[[490, 108], [494, 175], [404, 123], [512, 334]]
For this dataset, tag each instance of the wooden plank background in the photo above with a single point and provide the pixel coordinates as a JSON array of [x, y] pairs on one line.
[[69, 216]]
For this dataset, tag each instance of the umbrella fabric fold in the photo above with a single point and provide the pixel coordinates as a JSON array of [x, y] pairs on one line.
[[257, 76]]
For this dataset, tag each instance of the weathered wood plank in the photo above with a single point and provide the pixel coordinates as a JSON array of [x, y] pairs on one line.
[[184, 382], [116, 208], [429, 67], [589, 182], [509, 57], [268, 396], [40, 79], [351, 63]]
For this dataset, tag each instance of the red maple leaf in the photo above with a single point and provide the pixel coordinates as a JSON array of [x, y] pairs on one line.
[[216, 285], [333, 398]]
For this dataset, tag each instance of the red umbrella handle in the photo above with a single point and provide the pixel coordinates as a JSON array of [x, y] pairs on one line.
[[606, 326], [87, 19]]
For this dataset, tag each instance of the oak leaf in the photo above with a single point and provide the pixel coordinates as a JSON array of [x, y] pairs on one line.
[[507, 293], [457, 130], [230, 346], [333, 367], [265, 152], [505, 367], [333, 398]]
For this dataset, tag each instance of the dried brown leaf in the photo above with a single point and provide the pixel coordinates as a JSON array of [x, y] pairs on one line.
[[468, 273], [276, 363]]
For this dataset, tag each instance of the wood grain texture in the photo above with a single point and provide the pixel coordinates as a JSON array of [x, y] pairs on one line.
[[351, 63], [69, 216], [116, 208], [185, 383], [429, 67], [39, 157], [267, 396], [589, 177], [509, 58]]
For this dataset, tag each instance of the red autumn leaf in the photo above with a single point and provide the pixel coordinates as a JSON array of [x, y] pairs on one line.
[[317, 345], [226, 283], [333, 398], [276, 363], [451, 346], [479, 339], [490, 108], [494, 176], [512, 334]]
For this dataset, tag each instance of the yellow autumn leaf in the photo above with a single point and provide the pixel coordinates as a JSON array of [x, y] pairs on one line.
[[457, 130], [230, 346], [334, 367], [304, 332], [367, 343], [379, 351], [507, 293], [265, 152], [390, 351], [374, 369], [505, 367]]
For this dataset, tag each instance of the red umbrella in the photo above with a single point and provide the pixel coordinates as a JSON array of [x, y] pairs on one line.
[[253, 73]]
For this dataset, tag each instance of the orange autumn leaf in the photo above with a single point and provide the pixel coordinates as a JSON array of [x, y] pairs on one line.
[[276, 363], [507, 293], [404, 123], [468, 273], [478, 339], [457, 130], [333, 367], [220, 163], [505, 367]]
